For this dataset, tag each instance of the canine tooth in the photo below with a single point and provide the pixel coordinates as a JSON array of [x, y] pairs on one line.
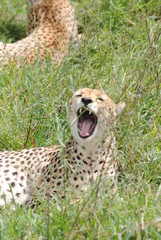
[[80, 110], [90, 112]]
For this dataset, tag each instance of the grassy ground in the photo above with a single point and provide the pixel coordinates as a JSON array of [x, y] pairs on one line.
[[120, 53]]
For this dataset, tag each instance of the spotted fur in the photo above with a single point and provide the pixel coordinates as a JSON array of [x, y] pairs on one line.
[[51, 25], [52, 169]]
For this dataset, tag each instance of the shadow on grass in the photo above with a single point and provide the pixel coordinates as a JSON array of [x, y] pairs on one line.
[[11, 31]]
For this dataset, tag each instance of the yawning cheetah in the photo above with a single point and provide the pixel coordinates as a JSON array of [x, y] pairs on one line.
[[51, 25], [89, 153]]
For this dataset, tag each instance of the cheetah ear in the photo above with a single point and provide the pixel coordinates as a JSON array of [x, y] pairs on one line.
[[119, 108]]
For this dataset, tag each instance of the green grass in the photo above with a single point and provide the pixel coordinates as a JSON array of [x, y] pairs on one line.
[[120, 52]]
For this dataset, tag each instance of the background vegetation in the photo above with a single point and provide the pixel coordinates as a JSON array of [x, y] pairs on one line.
[[120, 52]]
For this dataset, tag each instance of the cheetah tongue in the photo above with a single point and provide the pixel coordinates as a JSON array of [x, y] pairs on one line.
[[86, 127]]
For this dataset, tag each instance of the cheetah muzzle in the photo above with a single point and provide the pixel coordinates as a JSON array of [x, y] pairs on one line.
[[89, 154]]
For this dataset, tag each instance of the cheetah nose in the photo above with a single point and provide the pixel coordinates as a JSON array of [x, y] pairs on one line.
[[86, 101]]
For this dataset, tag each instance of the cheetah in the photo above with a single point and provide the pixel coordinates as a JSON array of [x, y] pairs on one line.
[[51, 26], [89, 153]]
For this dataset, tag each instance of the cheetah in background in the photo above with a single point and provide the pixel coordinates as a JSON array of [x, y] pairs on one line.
[[51, 25], [89, 153]]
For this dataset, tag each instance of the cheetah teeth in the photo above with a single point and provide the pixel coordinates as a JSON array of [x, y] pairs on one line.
[[83, 110]]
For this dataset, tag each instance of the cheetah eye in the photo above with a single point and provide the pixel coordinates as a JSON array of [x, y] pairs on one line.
[[101, 99], [79, 95]]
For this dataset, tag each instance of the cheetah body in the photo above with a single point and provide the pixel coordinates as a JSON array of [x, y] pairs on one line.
[[51, 25], [89, 154]]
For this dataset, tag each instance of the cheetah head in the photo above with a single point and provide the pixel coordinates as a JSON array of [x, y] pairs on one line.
[[91, 114]]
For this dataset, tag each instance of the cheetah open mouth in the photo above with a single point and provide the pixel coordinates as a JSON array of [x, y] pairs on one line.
[[87, 122]]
